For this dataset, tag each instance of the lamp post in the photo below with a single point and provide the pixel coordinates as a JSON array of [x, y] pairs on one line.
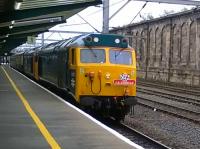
[[5, 57]]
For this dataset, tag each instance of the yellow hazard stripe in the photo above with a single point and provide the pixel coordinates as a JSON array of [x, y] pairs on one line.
[[49, 138]]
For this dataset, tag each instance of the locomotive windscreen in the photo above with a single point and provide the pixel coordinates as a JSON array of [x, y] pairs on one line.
[[120, 57], [93, 56]]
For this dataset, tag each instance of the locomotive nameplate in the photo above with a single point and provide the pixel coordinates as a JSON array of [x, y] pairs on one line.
[[124, 82]]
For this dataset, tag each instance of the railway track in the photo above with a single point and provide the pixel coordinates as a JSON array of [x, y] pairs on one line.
[[134, 135], [166, 99], [186, 90], [179, 112], [172, 96]]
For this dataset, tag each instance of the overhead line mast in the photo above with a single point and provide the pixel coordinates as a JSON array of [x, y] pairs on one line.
[[105, 16]]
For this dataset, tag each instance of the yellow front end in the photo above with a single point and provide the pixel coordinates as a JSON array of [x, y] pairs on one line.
[[106, 78]]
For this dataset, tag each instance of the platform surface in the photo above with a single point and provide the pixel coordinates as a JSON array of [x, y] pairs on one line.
[[69, 128]]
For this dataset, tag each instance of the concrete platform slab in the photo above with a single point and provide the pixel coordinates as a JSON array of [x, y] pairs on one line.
[[70, 128]]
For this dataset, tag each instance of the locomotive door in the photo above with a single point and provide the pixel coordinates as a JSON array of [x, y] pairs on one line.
[[71, 73], [61, 62], [35, 67]]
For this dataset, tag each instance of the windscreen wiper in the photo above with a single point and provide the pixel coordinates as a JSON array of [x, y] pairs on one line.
[[116, 55], [92, 51]]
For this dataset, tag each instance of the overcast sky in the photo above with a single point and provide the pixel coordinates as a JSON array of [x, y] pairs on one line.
[[94, 16]]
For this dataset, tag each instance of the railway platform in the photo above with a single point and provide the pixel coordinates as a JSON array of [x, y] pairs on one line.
[[32, 117]]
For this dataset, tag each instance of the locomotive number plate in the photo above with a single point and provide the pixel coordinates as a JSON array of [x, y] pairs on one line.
[[124, 82]]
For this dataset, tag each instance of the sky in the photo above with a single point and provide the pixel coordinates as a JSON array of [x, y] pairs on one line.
[[94, 16], [125, 16]]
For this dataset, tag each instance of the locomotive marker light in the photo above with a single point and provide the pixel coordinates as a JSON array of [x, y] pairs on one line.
[[96, 39], [117, 41]]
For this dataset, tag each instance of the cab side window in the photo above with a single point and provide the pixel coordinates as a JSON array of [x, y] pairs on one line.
[[73, 58]]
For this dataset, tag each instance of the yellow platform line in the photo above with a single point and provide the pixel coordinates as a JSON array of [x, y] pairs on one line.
[[49, 138]]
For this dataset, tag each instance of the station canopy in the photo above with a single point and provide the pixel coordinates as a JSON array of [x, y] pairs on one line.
[[22, 18]]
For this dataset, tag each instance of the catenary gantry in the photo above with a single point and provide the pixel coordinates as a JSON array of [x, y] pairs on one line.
[[22, 18]]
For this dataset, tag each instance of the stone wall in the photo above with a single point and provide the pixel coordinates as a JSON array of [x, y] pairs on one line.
[[168, 48]]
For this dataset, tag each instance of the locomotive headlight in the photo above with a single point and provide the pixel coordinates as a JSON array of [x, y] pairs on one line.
[[96, 39], [117, 41], [107, 76]]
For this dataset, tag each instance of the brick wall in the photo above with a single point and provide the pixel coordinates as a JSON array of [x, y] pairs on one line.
[[168, 48]]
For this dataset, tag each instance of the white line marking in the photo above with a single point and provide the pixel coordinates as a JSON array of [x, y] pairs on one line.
[[87, 115], [3, 90]]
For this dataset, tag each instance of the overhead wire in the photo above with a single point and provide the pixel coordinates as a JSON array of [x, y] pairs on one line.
[[102, 10], [138, 12], [95, 13], [99, 11], [60, 36], [63, 25], [105, 7], [49, 36], [88, 23], [119, 9]]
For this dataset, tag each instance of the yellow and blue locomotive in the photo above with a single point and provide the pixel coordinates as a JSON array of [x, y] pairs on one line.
[[99, 70]]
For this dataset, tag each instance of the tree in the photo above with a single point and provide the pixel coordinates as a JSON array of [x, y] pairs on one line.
[[146, 17], [167, 12], [184, 9]]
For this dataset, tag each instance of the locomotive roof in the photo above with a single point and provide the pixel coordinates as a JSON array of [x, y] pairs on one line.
[[89, 40], [106, 40]]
